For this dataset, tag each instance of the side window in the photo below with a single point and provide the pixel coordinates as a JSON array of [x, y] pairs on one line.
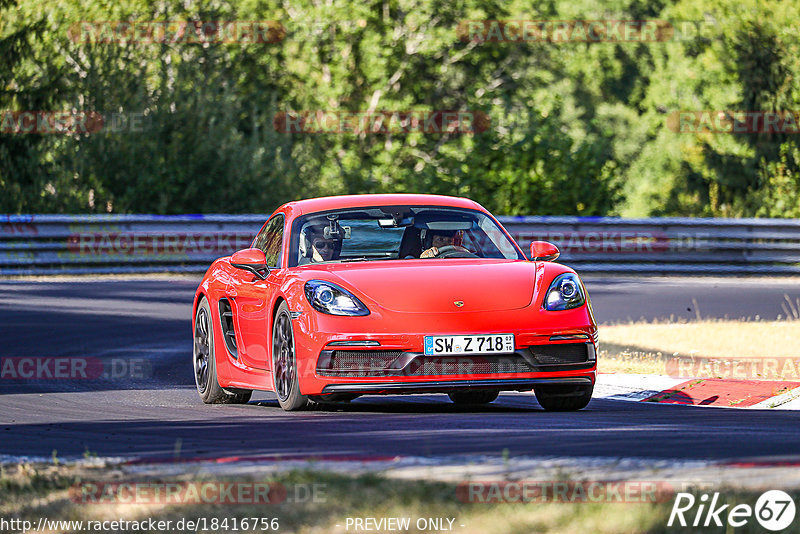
[[270, 240]]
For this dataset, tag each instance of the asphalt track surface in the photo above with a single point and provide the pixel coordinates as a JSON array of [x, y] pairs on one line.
[[153, 412]]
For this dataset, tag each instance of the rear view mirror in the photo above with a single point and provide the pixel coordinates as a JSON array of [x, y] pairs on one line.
[[396, 222], [544, 251], [251, 259]]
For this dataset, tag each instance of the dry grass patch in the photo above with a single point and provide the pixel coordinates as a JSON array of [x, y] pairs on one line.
[[646, 347], [720, 339]]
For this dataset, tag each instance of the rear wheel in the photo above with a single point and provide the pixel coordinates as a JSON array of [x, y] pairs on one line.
[[559, 398], [205, 365], [284, 362], [481, 396]]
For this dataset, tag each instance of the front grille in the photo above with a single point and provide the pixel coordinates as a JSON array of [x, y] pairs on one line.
[[560, 354], [380, 363], [468, 365]]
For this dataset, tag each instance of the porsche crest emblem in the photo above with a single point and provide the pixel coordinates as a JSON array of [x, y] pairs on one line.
[[458, 303]]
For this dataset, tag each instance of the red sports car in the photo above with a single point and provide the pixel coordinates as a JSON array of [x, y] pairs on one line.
[[385, 294]]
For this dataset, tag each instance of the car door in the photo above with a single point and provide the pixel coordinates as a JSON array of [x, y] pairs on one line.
[[250, 297]]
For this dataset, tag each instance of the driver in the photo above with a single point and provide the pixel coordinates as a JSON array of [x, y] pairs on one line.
[[436, 239], [315, 248], [323, 249]]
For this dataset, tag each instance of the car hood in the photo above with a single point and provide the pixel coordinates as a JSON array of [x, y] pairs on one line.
[[435, 286]]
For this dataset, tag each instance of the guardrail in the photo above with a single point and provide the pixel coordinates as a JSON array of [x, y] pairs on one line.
[[77, 244]]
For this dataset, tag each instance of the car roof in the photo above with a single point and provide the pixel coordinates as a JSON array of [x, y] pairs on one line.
[[313, 205]]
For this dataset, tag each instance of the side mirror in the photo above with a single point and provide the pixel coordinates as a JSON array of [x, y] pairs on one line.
[[544, 251], [251, 259]]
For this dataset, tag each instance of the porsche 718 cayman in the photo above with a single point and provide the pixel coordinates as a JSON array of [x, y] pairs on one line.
[[387, 294]]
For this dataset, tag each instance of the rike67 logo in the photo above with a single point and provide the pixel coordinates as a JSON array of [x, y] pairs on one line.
[[774, 510]]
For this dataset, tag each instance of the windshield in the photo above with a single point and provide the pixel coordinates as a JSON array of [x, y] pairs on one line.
[[397, 233]]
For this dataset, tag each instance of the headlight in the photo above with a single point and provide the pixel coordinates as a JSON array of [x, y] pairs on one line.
[[565, 293], [333, 300]]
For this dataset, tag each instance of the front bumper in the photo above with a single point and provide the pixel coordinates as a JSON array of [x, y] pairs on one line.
[[372, 363], [317, 335]]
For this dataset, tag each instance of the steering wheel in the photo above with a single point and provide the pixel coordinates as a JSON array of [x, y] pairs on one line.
[[454, 251]]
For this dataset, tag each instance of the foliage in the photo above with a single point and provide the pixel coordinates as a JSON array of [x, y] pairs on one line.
[[573, 128]]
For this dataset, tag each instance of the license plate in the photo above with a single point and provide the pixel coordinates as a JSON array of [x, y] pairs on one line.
[[478, 344]]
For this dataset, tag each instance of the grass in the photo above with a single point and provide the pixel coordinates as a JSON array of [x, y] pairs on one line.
[[646, 347], [30, 492]]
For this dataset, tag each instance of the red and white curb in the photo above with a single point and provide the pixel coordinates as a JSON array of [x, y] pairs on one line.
[[728, 393]]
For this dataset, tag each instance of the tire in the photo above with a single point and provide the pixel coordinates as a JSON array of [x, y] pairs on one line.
[[284, 363], [481, 396], [558, 398], [204, 362]]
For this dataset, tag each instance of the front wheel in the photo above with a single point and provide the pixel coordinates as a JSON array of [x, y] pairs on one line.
[[205, 364], [284, 362], [473, 397], [559, 398]]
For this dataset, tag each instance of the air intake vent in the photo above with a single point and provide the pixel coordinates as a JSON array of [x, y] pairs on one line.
[[563, 353], [228, 332], [356, 362], [363, 363]]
